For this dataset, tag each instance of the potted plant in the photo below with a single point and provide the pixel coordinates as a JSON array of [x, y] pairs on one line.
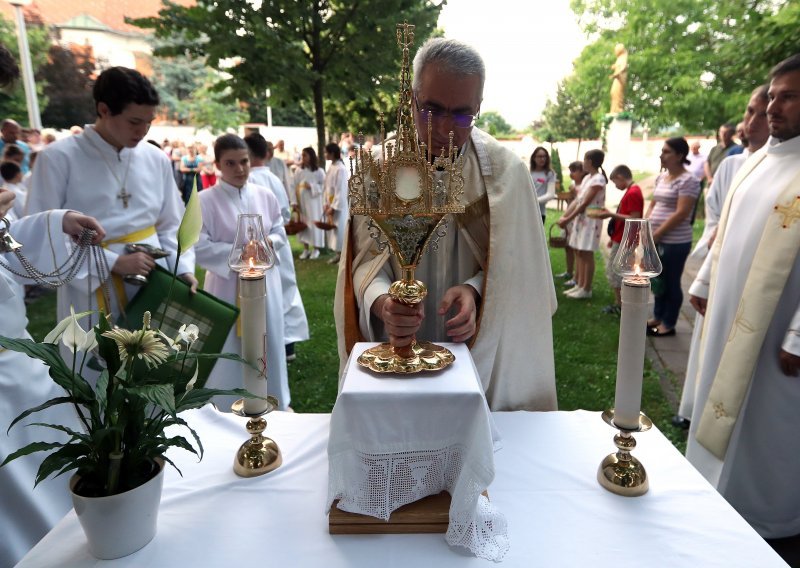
[[128, 419]]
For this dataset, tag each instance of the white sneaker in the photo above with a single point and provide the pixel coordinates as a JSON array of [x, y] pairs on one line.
[[314, 255], [572, 290], [305, 254], [581, 294]]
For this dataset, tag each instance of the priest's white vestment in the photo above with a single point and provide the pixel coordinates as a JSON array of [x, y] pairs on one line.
[[87, 174], [27, 514], [222, 204], [713, 210], [335, 195], [294, 313], [760, 469], [307, 194], [497, 246]]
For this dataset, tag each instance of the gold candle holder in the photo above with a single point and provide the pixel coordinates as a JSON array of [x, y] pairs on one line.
[[620, 472], [259, 454]]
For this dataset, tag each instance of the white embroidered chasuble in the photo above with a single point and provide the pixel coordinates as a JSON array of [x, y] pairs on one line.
[[85, 173], [752, 459], [222, 204]]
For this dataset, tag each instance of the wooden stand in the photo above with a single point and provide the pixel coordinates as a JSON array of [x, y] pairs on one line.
[[428, 515]]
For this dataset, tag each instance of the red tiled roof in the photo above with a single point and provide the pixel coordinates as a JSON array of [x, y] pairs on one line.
[[112, 13]]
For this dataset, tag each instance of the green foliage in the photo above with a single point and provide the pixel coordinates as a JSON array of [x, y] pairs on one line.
[[692, 63], [555, 164], [306, 52], [12, 98], [492, 122], [146, 383], [67, 84]]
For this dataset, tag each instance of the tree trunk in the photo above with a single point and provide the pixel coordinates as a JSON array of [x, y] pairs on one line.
[[578, 152], [319, 119]]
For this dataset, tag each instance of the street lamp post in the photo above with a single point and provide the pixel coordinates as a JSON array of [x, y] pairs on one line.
[[269, 109], [34, 119]]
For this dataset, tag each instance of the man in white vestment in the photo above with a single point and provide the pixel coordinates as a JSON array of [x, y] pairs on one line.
[[277, 167], [294, 313], [489, 281], [743, 437], [109, 171], [28, 513], [757, 132]]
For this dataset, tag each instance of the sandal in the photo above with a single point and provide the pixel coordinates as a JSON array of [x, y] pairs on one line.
[[653, 332]]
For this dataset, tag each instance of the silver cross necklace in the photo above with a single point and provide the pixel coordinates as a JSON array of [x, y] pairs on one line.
[[123, 194]]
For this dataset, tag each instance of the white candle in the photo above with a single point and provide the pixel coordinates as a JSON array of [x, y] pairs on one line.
[[253, 306], [630, 356]]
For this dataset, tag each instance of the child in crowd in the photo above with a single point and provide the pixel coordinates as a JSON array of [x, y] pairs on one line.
[[630, 207], [222, 204], [12, 180], [576, 174]]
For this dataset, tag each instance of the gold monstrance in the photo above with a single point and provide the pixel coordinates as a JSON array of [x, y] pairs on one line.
[[406, 196]]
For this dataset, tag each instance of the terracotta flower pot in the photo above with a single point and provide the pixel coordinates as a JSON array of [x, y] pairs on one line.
[[119, 525]]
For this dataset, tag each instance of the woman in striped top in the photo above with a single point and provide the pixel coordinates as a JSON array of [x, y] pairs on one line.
[[671, 216]]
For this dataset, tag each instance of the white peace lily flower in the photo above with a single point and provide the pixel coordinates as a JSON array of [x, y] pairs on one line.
[[75, 337], [188, 333], [58, 331], [190, 384], [174, 344]]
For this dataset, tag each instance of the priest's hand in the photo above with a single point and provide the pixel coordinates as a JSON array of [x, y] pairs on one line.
[[75, 223], [7, 198], [133, 263], [401, 321], [464, 299], [790, 364], [190, 279], [699, 304]]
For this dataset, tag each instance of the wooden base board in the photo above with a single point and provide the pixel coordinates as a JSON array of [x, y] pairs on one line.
[[428, 515]]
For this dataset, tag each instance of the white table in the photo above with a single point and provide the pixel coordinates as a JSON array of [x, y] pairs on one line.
[[545, 484]]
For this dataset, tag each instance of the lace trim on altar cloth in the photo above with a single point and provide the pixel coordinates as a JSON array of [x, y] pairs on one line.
[[378, 484]]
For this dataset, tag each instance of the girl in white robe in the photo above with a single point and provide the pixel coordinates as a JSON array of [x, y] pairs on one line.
[[28, 513], [221, 205], [307, 199], [336, 203]]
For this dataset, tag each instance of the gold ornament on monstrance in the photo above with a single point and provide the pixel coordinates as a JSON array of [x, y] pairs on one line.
[[406, 193]]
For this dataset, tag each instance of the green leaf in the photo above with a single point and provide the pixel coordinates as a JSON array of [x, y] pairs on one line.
[[44, 405], [196, 398], [101, 391], [106, 347], [161, 395], [83, 437], [192, 222], [66, 456], [30, 449]]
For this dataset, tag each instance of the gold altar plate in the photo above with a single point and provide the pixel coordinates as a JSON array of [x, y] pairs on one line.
[[428, 515]]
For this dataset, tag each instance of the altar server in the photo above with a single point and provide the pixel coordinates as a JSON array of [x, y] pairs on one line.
[[27, 514], [110, 172], [222, 204], [294, 314], [743, 436], [489, 282], [335, 199], [306, 197]]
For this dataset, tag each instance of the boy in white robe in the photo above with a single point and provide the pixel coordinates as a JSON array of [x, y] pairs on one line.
[[294, 313], [28, 513], [222, 204]]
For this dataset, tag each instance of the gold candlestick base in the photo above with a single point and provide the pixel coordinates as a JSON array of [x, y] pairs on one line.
[[259, 454], [419, 356], [621, 473]]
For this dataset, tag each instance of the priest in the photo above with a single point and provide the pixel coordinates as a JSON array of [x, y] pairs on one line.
[[110, 172], [743, 435], [489, 281]]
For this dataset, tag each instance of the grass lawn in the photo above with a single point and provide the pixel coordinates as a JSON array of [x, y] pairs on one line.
[[585, 342]]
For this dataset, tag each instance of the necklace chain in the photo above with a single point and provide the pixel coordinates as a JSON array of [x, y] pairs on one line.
[[123, 194]]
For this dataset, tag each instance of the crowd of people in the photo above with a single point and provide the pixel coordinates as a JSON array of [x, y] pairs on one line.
[[130, 191]]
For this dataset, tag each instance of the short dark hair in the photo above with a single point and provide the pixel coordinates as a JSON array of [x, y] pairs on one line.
[[681, 147], [118, 87], [623, 171], [12, 150], [334, 150], [227, 142], [313, 163], [791, 63], [546, 153], [576, 166], [256, 144], [9, 170]]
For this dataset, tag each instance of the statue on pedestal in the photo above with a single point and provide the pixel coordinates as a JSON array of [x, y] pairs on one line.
[[619, 77]]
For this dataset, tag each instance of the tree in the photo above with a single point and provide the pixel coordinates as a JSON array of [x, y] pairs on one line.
[[686, 57], [67, 80], [492, 122], [316, 51], [575, 112], [12, 98]]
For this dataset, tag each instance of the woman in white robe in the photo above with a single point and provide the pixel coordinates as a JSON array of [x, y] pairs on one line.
[[221, 205], [336, 203], [28, 513], [307, 199]]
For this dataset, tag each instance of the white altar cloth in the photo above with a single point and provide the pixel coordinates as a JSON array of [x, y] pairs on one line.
[[545, 484], [395, 439]]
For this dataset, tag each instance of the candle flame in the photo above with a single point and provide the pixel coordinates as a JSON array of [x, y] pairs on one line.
[[251, 262], [636, 270]]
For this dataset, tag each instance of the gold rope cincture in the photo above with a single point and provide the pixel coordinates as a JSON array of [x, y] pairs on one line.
[[116, 279]]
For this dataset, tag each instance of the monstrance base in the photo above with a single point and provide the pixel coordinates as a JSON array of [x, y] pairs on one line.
[[425, 356]]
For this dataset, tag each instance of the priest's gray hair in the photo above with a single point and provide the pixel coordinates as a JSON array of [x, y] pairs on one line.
[[453, 56]]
